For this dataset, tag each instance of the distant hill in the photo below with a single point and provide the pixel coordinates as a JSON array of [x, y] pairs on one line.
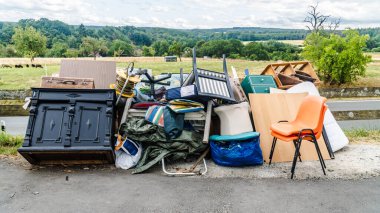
[[69, 37]]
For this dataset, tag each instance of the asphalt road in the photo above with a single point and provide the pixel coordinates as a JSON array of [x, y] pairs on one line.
[[110, 190], [354, 105]]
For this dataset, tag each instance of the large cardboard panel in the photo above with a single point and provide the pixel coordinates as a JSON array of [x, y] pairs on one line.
[[271, 108], [103, 72]]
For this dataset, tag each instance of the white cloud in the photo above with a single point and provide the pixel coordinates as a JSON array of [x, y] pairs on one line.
[[191, 13]]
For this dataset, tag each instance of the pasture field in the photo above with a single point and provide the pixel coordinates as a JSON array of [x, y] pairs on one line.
[[293, 42], [24, 78]]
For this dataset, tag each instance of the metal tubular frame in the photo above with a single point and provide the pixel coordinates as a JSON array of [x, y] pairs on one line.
[[302, 134]]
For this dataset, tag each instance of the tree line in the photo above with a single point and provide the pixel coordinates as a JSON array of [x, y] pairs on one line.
[[58, 39]]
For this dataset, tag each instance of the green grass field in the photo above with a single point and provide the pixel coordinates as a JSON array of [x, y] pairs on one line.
[[21, 79]]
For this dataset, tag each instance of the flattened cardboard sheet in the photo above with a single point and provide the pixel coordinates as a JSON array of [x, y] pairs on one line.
[[103, 72]]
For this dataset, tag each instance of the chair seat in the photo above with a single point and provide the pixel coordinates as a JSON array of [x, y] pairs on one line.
[[286, 129], [288, 138]]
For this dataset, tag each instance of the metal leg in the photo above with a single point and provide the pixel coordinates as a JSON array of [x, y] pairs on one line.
[[299, 154], [327, 142], [184, 173], [323, 165], [295, 157], [319, 151], [272, 149]]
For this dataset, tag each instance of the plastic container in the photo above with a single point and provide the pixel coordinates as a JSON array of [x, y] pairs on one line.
[[234, 119]]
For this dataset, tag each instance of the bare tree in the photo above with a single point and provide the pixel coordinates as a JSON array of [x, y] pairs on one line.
[[315, 19], [334, 24]]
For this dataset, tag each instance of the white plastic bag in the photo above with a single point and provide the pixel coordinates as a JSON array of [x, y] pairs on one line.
[[125, 160]]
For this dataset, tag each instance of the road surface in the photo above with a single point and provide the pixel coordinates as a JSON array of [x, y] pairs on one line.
[[111, 190]]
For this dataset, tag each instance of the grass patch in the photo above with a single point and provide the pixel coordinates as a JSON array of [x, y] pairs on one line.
[[9, 144], [24, 78], [255, 67], [363, 136]]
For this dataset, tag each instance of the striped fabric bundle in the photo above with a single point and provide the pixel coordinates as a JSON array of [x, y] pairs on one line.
[[155, 115], [184, 106]]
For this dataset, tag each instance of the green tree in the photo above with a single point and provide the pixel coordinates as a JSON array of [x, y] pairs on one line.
[[29, 42], [255, 51], [161, 47], [148, 51], [176, 49], [93, 47], [119, 47], [71, 53], [57, 50], [339, 58]]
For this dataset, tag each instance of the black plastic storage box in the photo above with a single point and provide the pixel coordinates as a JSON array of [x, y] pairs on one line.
[[74, 126]]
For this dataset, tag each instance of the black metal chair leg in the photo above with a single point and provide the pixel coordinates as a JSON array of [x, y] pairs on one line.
[[327, 142], [272, 149], [319, 156], [299, 153], [319, 151], [295, 159]]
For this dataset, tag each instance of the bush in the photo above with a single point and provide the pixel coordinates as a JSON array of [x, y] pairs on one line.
[[339, 58]]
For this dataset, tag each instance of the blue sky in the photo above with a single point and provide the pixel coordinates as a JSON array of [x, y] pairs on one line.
[[187, 14]]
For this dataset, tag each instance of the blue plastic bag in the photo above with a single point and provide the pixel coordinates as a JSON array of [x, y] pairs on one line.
[[240, 152]]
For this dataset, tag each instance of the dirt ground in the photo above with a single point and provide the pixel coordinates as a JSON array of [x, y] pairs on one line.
[[355, 161]]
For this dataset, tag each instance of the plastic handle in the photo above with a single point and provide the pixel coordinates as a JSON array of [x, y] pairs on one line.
[[69, 82]]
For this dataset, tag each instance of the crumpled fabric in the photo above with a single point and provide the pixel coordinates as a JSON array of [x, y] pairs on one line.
[[156, 146], [173, 123]]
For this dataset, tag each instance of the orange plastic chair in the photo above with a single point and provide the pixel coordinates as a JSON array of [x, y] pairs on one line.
[[308, 125]]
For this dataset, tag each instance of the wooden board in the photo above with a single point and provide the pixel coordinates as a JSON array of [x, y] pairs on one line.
[[61, 82], [271, 108], [103, 72]]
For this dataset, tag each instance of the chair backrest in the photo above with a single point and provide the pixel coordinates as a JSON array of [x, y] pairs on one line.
[[311, 113]]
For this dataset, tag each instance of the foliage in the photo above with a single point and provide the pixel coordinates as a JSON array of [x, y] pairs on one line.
[[93, 47], [120, 48], [148, 51], [339, 59], [161, 47], [29, 42], [71, 53], [256, 51], [58, 49], [176, 49], [160, 39]]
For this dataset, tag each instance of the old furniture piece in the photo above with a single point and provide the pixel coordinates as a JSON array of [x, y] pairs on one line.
[[210, 84], [258, 84], [288, 74], [103, 72], [268, 109], [70, 126], [65, 82], [307, 126], [234, 118]]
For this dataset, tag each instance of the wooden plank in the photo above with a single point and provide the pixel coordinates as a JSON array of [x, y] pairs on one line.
[[271, 108], [103, 72], [206, 133], [62, 82]]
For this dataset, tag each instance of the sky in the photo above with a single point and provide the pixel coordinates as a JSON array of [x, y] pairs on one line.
[[190, 14]]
